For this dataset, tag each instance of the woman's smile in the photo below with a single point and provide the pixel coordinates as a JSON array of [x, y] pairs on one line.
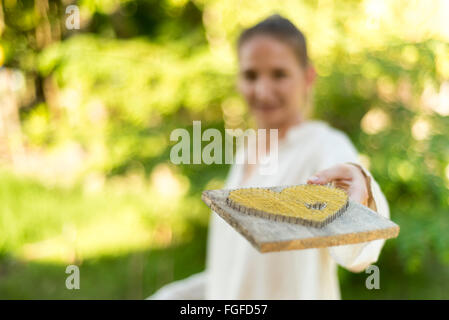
[[267, 107]]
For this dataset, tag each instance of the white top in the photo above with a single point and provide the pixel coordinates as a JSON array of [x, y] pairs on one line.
[[236, 270]]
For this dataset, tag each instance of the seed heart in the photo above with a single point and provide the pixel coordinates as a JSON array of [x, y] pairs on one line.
[[310, 205]]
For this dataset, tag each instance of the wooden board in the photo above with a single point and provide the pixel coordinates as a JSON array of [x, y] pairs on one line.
[[357, 224]]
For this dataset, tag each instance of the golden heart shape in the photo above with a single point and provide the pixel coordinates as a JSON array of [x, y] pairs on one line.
[[310, 205]]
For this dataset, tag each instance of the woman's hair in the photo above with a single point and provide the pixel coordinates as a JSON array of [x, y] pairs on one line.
[[281, 29]]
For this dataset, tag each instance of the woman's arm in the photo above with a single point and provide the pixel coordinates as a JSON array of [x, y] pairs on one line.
[[364, 189], [341, 165]]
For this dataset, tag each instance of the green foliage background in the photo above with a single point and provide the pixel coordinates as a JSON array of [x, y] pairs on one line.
[[136, 70]]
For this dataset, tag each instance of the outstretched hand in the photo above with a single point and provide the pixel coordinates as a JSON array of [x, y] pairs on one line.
[[346, 176]]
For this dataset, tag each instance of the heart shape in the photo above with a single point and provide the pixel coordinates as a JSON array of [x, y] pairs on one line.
[[309, 205]]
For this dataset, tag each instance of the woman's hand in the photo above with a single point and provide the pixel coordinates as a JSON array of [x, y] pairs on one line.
[[346, 176]]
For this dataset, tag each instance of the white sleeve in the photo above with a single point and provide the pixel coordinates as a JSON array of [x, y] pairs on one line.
[[355, 257], [191, 288]]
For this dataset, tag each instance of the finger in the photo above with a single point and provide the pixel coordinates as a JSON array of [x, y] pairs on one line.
[[338, 172], [342, 184]]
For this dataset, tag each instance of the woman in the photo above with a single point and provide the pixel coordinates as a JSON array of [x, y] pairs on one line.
[[276, 78]]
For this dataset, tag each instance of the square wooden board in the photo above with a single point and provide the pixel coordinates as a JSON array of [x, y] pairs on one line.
[[357, 224]]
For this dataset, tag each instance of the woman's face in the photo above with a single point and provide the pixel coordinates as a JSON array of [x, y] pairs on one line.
[[272, 81]]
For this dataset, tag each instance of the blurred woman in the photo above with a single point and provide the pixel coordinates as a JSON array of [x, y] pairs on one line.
[[276, 80]]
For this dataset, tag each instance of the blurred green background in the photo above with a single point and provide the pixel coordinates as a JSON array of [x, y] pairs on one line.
[[86, 115]]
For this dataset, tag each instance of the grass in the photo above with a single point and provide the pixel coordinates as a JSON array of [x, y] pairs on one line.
[[428, 282], [127, 244], [134, 275]]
